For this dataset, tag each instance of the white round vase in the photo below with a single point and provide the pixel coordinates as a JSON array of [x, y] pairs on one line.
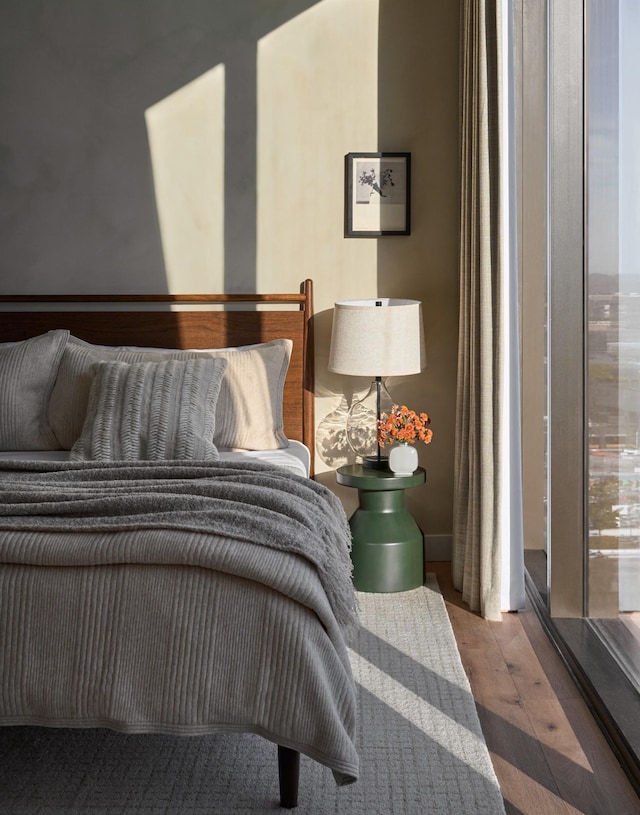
[[403, 459]]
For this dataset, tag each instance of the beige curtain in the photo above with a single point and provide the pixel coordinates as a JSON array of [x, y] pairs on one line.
[[485, 528]]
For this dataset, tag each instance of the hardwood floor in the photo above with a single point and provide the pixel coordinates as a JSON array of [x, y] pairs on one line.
[[549, 755]]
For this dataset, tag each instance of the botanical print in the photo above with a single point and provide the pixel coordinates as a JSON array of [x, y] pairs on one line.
[[377, 194], [384, 184]]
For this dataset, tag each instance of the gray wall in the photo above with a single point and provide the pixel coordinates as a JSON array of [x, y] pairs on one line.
[[77, 207]]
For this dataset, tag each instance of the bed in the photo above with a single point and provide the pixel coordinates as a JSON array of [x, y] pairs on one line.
[[166, 563]]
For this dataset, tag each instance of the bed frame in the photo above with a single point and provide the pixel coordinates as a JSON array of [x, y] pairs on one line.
[[161, 321], [165, 321]]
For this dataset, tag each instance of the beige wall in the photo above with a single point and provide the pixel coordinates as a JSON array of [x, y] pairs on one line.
[[207, 153], [372, 84]]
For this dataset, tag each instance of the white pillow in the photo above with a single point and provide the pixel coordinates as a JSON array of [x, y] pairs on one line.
[[250, 407]]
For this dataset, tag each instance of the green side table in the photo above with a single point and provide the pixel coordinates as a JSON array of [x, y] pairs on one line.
[[387, 551]]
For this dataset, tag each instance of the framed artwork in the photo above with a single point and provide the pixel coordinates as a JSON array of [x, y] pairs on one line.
[[377, 194]]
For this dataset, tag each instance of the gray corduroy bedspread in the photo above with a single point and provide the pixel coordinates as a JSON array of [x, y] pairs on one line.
[[183, 598]]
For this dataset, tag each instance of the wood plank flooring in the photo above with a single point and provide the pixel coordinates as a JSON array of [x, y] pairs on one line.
[[549, 755]]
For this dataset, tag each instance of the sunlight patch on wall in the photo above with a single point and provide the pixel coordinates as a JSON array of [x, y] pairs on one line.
[[186, 143], [317, 100]]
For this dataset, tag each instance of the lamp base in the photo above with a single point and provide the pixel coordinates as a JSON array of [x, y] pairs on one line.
[[362, 421], [375, 463]]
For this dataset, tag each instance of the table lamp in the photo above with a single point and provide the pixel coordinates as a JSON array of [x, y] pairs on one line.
[[378, 338]]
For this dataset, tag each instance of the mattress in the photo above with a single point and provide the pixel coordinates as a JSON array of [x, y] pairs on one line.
[[295, 458]]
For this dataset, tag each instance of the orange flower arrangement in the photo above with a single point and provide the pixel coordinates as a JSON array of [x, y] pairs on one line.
[[404, 426]]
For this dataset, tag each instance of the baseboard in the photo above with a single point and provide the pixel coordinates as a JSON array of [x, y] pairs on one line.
[[438, 547]]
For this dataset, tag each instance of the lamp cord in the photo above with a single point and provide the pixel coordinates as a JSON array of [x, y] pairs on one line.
[[378, 394]]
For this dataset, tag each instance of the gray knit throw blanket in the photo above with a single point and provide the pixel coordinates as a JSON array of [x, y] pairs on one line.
[[245, 501]]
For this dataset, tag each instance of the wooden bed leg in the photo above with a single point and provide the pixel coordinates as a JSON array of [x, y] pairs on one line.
[[288, 774]]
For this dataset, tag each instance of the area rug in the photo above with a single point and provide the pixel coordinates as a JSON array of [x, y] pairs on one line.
[[419, 738]]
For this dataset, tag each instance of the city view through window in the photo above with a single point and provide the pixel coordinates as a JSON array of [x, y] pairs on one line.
[[613, 343]]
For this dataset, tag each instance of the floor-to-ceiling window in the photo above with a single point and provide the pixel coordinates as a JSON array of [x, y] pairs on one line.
[[579, 66], [613, 326]]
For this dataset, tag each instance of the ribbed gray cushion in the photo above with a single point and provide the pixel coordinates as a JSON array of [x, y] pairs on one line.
[[152, 411], [27, 373]]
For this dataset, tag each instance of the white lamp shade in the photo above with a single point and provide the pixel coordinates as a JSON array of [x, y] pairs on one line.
[[377, 340]]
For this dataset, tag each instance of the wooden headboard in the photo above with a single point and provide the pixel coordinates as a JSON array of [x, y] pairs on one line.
[[161, 321]]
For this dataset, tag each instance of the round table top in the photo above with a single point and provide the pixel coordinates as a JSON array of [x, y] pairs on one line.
[[369, 478]]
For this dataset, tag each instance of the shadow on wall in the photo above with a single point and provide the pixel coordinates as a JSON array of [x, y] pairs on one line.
[[104, 108], [332, 445], [418, 113]]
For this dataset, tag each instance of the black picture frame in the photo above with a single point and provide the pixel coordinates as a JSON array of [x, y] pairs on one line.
[[377, 194]]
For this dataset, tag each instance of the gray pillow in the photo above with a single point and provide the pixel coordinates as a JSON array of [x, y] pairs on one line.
[[250, 407], [70, 395], [151, 411], [27, 374]]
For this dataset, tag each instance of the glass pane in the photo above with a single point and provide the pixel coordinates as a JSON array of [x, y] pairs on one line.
[[530, 25], [613, 262]]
